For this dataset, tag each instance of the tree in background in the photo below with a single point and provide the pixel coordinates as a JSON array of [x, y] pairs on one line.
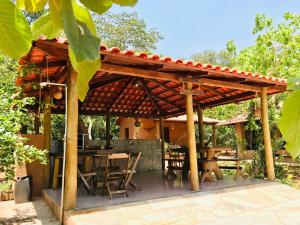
[[126, 31], [222, 58], [276, 52], [226, 135]]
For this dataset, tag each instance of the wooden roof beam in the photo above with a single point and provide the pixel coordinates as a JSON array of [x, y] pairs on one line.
[[104, 82], [144, 85], [215, 91], [171, 77]]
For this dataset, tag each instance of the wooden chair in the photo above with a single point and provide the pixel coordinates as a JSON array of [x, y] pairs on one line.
[[116, 170], [134, 160]]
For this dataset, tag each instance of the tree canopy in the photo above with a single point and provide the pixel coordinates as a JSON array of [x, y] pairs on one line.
[[276, 52], [222, 58], [126, 31]]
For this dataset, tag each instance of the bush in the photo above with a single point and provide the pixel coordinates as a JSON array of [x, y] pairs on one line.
[[13, 151]]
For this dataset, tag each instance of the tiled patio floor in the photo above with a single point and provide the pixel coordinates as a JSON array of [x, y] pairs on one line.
[[264, 203], [153, 185]]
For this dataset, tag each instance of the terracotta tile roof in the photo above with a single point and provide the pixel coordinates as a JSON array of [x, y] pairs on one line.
[[182, 118], [238, 119], [142, 85]]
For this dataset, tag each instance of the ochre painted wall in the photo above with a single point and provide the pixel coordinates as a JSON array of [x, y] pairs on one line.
[[178, 132], [150, 130]]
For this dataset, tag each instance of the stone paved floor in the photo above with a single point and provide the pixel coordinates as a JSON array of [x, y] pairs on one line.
[[36, 212], [267, 203]]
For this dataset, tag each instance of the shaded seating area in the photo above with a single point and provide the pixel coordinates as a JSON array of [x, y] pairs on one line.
[[111, 172], [138, 85]]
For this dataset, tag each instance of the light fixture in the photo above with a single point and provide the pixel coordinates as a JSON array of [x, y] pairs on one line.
[[137, 122], [57, 95]]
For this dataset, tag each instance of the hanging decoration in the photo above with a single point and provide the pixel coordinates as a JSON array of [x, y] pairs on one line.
[[137, 122], [184, 91]]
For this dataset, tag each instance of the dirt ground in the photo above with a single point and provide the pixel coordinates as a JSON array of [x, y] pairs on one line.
[[36, 212]]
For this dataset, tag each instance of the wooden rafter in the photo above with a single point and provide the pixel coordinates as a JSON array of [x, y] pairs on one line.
[[130, 80], [144, 85], [167, 101], [139, 104], [227, 99], [172, 90], [215, 91], [106, 82]]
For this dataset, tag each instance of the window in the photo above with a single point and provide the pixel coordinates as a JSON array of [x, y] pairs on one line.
[[127, 133]]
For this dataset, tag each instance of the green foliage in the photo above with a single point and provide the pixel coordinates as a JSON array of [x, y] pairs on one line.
[[67, 15], [44, 26], [276, 53], [15, 39], [57, 126], [5, 186], [127, 31], [8, 74], [13, 151], [98, 126], [290, 123], [97, 6], [277, 48], [222, 58]]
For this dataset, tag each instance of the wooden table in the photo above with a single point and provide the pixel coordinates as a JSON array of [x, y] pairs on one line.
[[210, 165], [174, 163], [237, 166]]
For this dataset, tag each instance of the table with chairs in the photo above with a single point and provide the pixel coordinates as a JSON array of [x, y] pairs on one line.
[[111, 171]]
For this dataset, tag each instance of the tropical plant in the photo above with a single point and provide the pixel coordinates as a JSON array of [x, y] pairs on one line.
[[13, 150], [69, 16]]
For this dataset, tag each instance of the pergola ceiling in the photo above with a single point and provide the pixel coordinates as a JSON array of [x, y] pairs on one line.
[[139, 85]]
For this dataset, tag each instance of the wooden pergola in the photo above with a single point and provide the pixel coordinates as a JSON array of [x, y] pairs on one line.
[[130, 84]]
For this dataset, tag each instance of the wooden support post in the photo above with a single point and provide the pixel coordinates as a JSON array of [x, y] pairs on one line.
[[162, 137], [267, 136], [192, 140], [55, 173], [47, 136], [214, 135], [107, 131], [240, 134], [36, 124], [70, 189], [200, 126]]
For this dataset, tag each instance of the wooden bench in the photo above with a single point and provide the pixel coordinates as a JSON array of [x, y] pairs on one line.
[[282, 156]]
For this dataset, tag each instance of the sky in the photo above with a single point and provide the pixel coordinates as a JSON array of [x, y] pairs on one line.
[[192, 26]]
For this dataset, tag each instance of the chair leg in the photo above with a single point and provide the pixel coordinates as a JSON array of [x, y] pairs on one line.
[[124, 186], [108, 189]]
